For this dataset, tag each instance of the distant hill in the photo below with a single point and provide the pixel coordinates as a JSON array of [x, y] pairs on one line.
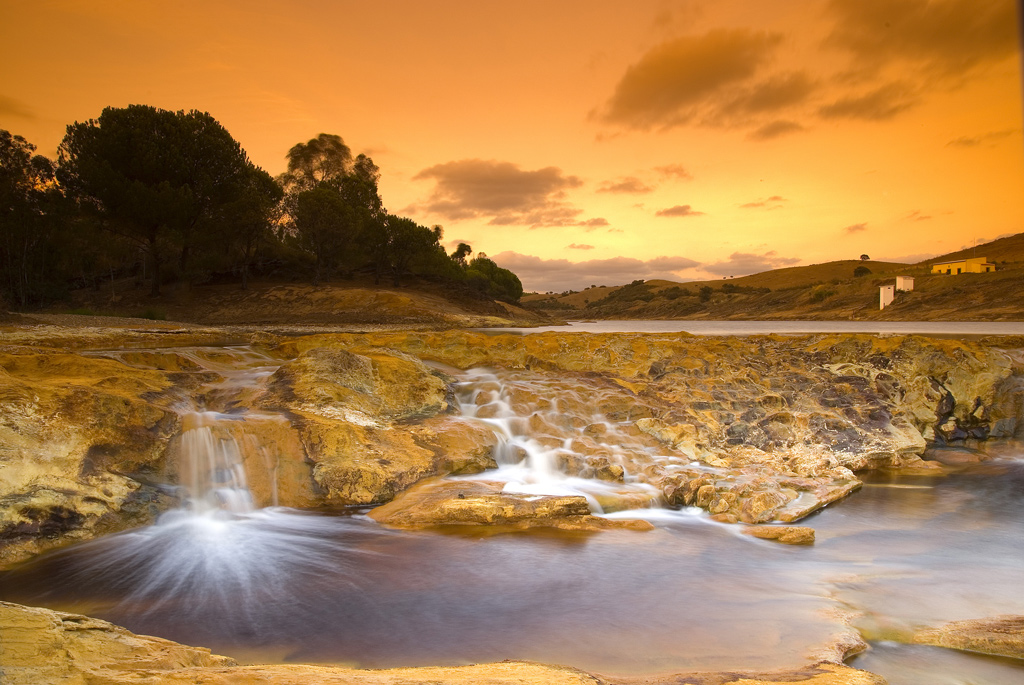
[[1009, 250], [817, 291]]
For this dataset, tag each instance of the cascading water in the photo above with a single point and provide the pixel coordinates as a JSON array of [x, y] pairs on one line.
[[211, 467], [551, 441]]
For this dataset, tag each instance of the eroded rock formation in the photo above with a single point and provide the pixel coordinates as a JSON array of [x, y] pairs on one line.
[[753, 430]]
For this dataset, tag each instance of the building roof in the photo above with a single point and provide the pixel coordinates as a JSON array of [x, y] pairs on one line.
[[981, 260]]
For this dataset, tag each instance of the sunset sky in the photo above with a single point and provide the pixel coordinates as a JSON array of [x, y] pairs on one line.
[[583, 142]]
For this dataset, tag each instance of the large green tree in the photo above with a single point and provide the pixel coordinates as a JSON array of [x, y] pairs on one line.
[[158, 177]]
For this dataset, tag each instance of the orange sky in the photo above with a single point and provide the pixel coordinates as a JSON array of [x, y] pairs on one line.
[[585, 142]]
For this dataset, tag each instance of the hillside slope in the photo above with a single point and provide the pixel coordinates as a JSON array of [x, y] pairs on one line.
[[828, 291], [336, 303]]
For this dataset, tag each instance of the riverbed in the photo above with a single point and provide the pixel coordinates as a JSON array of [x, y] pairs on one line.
[[275, 584]]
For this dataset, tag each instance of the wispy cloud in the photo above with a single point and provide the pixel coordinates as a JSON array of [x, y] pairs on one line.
[[773, 202], [628, 184], [678, 211]]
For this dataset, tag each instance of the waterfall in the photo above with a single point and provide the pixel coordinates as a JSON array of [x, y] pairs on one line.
[[212, 470]]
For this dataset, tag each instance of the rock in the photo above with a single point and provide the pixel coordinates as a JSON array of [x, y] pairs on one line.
[[999, 636], [474, 503], [43, 646], [40, 645], [788, 535], [81, 438], [761, 506]]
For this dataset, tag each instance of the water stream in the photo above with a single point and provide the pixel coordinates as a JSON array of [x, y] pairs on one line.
[[275, 584]]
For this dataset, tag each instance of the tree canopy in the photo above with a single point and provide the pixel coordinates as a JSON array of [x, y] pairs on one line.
[[156, 177], [164, 196]]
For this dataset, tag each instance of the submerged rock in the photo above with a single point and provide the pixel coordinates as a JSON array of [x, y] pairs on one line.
[[999, 636], [788, 535]]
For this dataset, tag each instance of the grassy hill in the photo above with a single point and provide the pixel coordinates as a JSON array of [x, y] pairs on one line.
[[817, 292]]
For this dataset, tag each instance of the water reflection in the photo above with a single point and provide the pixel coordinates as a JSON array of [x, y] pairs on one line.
[[277, 584]]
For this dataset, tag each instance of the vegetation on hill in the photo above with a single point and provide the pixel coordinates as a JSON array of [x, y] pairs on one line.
[[163, 197], [838, 290]]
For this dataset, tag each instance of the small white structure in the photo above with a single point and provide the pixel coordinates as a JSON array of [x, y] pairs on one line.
[[886, 294], [905, 283]]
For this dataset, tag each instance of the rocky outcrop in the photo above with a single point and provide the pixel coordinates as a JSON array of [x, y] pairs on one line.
[[374, 423], [753, 430], [480, 503], [43, 646], [999, 636], [82, 441]]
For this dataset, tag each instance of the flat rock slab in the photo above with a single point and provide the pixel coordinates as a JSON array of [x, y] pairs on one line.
[[787, 535], [999, 636], [434, 503]]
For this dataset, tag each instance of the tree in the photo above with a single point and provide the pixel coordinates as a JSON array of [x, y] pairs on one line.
[[324, 222], [483, 274], [324, 159], [461, 253], [342, 231], [28, 200], [250, 217], [864, 258], [158, 177], [861, 271]]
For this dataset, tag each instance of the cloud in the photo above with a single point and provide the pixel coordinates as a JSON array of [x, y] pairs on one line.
[[15, 108], [674, 171], [856, 228], [773, 202], [672, 84], [542, 275], [678, 210], [742, 263], [770, 95], [987, 139], [576, 246], [500, 192], [942, 39], [629, 184], [917, 215], [882, 103], [775, 129]]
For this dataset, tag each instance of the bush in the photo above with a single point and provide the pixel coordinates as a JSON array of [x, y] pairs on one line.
[[822, 293], [861, 271]]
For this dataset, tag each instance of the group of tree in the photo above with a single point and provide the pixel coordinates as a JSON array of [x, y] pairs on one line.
[[162, 196]]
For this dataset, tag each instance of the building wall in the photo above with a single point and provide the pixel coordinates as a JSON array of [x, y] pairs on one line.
[[905, 283], [975, 265], [886, 294]]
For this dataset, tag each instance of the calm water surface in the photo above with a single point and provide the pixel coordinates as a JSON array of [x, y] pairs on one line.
[[282, 585], [967, 328]]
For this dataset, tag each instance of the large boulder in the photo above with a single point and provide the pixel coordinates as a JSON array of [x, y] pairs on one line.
[[374, 423]]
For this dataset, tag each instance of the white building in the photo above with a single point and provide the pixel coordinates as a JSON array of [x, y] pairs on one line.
[[886, 294], [905, 283]]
